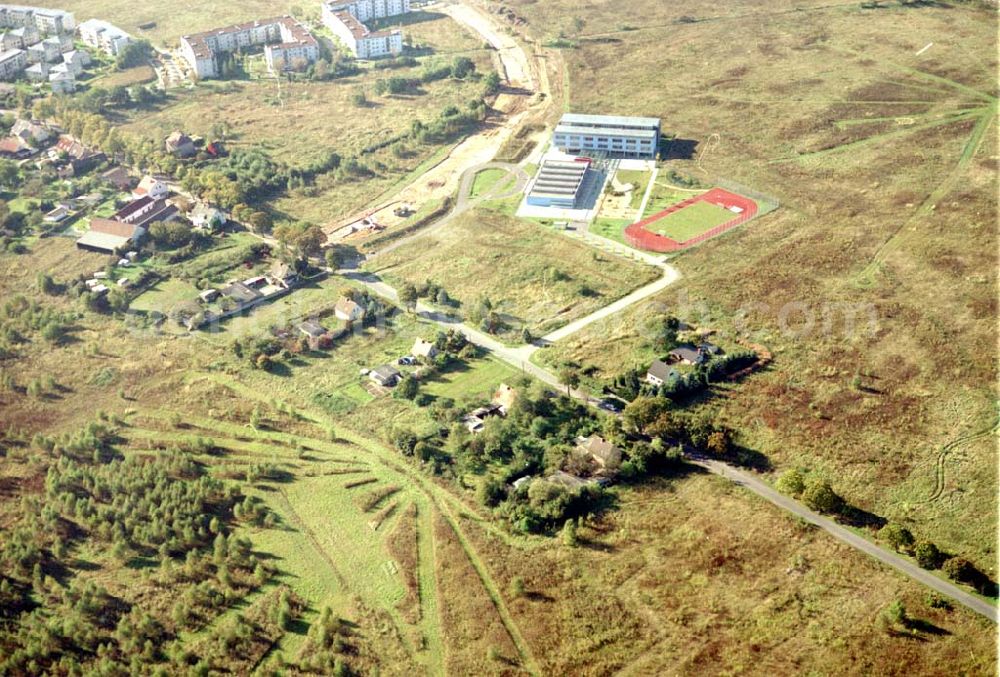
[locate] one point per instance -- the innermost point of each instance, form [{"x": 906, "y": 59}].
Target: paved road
[{"x": 845, "y": 535}]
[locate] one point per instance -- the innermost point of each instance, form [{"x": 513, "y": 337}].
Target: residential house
[
  {"x": 686, "y": 354},
  {"x": 78, "y": 158},
  {"x": 151, "y": 187},
  {"x": 119, "y": 178},
  {"x": 15, "y": 147},
  {"x": 348, "y": 311},
  {"x": 206, "y": 216},
  {"x": 422, "y": 348},
  {"x": 181, "y": 145},
  {"x": 283, "y": 275},
  {"x": 241, "y": 293},
  {"x": 108, "y": 235},
  {"x": 603, "y": 454},
  {"x": 386, "y": 376},
  {"x": 33, "y": 132},
  {"x": 313, "y": 331},
  {"x": 660, "y": 372},
  {"x": 57, "y": 215}
]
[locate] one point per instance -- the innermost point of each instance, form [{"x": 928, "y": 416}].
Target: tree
[
  {"x": 526, "y": 336},
  {"x": 820, "y": 496},
  {"x": 896, "y": 535},
  {"x": 895, "y": 615},
  {"x": 462, "y": 67},
  {"x": 408, "y": 296},
  {"x": 491, "y": 84},
  {"x": 570, "y": 378},
  {"x": 791, "y": 482},
  {"x": 135, "y": 53},
  {"x": 927, "y": 554},
  {"x": 959, "y": 569},
  {"x": 407, "y": 388},
  {"x": 643, "y": 411},
  {"x": 517, "y": 587}
]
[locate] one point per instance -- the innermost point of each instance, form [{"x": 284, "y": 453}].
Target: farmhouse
[
  {"x": 610, "y": 135},
  {"x": 422, "y": 348},
  {"x": 107, "y": 235},
  {"x": 558, "y": 183},
  {"x": 151, "y": 187},
  {"x": 146, "y": 210},
  {"x": 348, "y": 311},
  {"x": 604, "y": 455},
  {"x": 660, "y": 372},
  {"x": 347, "y": 21},
  {"x": 103, "y": 36},
  {"x": 288, "y": 45},
  {"x": 180, "y": 145},
  {"x": 118, "y": 177}
]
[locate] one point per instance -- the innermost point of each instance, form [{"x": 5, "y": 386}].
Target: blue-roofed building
[{"x": 609, "y": 135}]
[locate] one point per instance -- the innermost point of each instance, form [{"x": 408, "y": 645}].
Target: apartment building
[
  {"x": 346, "y": 21},
  {"x": 12, "y": 62},
  {"x": 103, "y": 36},
  {"x": 610, "y": 135},
  {"x": 47, "y": 21},
  {"x": 288, "y": 44}
]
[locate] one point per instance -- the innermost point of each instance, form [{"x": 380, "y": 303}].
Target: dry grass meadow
[{"x": 885, "y": 165}]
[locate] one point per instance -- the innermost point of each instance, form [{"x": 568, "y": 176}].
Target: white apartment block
[
  {"x": 365, "y": 10},
  {"x": 47, "y": 21},
  {"x": 288, "y": 44},
  {"x": 610, "y": 135},
  {"x": 103, "y": 36},
  {"x": 12, "y": 62},
  {"x": 364, "y": 43}
]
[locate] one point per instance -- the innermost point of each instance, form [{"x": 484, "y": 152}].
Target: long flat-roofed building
[
  {"x": 558, "y": 183},
  {"x": 288, "y": 45},
  {"x": 103, "y": 36},
  {"x": 12, "y": 62},
  {"x": 346, "y": 21},
  {"x": 611, "y": 135},
  {"x": 47, "y": 21}
]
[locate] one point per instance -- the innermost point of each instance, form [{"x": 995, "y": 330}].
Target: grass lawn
[
  {"x": 663, "y": 196},
  {"x": 691, "y": 221},
  {"x": 485, "y": 180},
  {"x": 613, "y": 229},
  {"x": 126, "y": 78},
  {"x": 480, "y": 379},
  {"x": 639, "y": 179}
]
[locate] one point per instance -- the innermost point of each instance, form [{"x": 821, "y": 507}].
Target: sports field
[{"x": 691, "y": 221}]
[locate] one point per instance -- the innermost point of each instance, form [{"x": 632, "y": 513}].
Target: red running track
[{"x": 638, "y": 236}]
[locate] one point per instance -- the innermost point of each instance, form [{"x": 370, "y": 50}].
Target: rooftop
[{"x": 623, "y": 121}]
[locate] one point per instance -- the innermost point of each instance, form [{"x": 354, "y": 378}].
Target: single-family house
[
  {"x": 241, "y": 293},
  {"x": 204, "y": 215},
  {"x": 152, "y": 187},
  {"x": 348, "y": 310},
  {"x": 107, "y": 235},
  {"x": 686, "y": 354},
  {"x": 80, "y": 159},
  {"x": 119, "y": 178},
  {"x": 313, "y": 331},
  {"x": 283, "y": 275},
  {"x": 15, "y": 147},
  {"x": 422, "y": 348},
  {"x": 660, "y": 372},
  {"x": 603, "y": 454},
  {"x": 386, "y": 375},
  {"x": 181, "y": 145},
  {"x": 33, "y": 132}
]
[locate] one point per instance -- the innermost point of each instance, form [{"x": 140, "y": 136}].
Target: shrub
[
  {"x": 791, "y": 482},
  {"x": 820, "y": 496},
  {"x": 898, "y": 536},
  {"x": 959, "y": 569}
]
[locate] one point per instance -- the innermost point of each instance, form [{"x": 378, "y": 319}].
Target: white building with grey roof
[{"x": 608, "y": 135}]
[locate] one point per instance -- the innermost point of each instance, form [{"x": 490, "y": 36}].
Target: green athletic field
[{"x": 691, "y": 221}]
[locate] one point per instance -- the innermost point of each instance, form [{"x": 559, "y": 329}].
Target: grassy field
[
  {"x": 613, "y": 229},
  {"x": 691, "y": 221},
  {"x": 883, "y": 161},
  {"x": 486, "y": 180},
  {"x": 533, "y": 277},
  {"x": 664, "y": 195},
  {"x": 127, "y": 78}
]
